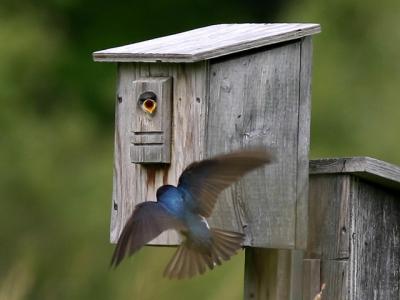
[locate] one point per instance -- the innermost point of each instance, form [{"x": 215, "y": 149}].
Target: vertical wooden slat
[
  {"x": 311, "y": 278},
  {"x": 296, "y": 273},
  {"x": 375, "y": 256},
  {"x": 303, "y": 143},
  {"x": 334, "y": 274},
  {"x": 273, "y": 274},
  {"x": 254, "y": 100},
  {"x": 329, "y": 235},
  {"x": 329, "y": 217},
  {"x": 267, "y": 274}
]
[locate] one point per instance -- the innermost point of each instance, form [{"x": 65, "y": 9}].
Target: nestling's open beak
[{"x": 149, "y": 106}]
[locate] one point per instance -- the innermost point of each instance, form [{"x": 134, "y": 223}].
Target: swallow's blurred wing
[
  {"x": 147, "y": 221},
  {"x": 201, "y": 182}
]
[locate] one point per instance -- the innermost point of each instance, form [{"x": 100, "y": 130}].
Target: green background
[{"x": 56, "y": 130}]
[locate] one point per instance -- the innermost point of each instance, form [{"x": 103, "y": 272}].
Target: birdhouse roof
[
  {"x": 207, "y": 42},
  {"x": 368, "y": 168}
]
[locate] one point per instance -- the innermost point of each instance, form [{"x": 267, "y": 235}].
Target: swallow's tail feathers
[
  {"x": 189, "y": 261},
  {"x": 225, "y": 244}
]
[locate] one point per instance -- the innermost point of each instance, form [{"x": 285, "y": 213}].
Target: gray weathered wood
[
  {"x": 375, "y": 242},
  {"x": 366, "y": 167},
  {"x": 152, "y": 138},
  {"x": 134, "y": 183},
  {"x": 354, "y": 227},
  {"x": 329, "y": 217},
  {"x": 258, "y": 97},
  {"x": 303, "y": 143},
  {"x": 151, "y": 134},
  {"x": 219, "y": 106},
  {"x": 269, "y": 274},
  {"x": 311, "y": 278},
  {"x": 254, "y": 100},
  {"x": 334, "y": 274},
  {"x": 330, "y": 231},
  {"x": 206, "y": 43}
]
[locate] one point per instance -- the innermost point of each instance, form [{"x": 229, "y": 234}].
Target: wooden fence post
[{"x": 272, "y": 274}]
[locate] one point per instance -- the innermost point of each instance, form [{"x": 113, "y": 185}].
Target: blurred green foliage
[{"x": 56, "y": 130}]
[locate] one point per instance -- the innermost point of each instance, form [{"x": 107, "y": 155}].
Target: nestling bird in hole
[
  {"x": 148, "y": 102},
  {"x": 185, "y": 208}
]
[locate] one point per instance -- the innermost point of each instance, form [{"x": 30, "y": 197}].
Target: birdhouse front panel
[
  {"x": 212, "y": 90},
  {"x": 151, "y": 120},
  {"x": 135, "y": 182}
]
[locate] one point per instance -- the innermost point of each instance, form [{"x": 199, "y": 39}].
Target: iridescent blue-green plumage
[{"x": 185, "y": 209}]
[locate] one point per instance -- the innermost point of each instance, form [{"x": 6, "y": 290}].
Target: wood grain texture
[
  {"x": 303, "y": 142},
  {"x": 372, "y": 169},
  {"x": 375, "y": 258},
  {"x": 354, "y": 229},
  {"x": 329, "y": 217},
  {"x": 334, "y": 274},
  {"x": 329, "y": 232},
  {"x": 135, "y": 183},
  {"x": 207, "y": 42},
  {"x": 219, "y": 106},
  {"x": 151, "y": 133},
  {"x": 271, "y": 274},
  {"x": 311, "y": 278},
  {"x": 254, "y": 100}
]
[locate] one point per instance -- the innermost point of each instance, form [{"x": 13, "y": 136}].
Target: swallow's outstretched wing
[
  {"x": 201, "y": 182},
  {"x": 147, "y": 221}
]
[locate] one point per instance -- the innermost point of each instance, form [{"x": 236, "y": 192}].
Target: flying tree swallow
[{"x": 185, "y": 208}]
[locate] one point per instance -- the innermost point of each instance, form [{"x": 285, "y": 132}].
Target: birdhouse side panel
[{"x": 254, "y": 100}]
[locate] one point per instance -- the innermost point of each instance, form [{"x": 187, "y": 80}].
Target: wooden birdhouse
[
  {"x": 211, "y": 90},
  {"x": 354, "y": 229}
]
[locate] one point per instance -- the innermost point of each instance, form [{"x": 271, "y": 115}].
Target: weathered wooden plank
[
  {"x": 207, "y": 42},
  {"x": 329, "y": 235},
  {"x": 329, "y": 217},
  {"x": 311, "y": 278},
  {"x": 366, "y": 167},
  {"x": 303, "y": 143},
  {"x": 150, "y": 138},
  {"x": 254, "y": 101},
  {"x": 272, "y": 274},
  {"x": 296, "y": 273},
  {"x": 375, "y": 255},
  {"x": 151, "y": 132},
  {"x": 134, "y": 183},
  {"x": 334, "y": 275}
]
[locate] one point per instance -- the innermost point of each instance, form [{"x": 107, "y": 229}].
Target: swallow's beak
[{"x": 149, "y": 106}]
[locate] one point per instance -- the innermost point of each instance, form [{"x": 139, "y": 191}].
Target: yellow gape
[{"x": 149, "y": 106}]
